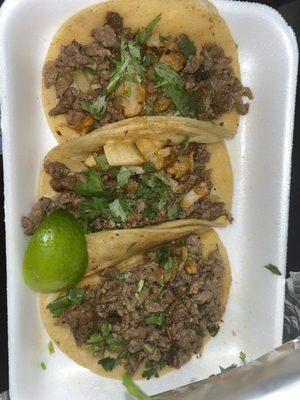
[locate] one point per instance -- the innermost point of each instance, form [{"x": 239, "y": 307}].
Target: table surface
[{"x": 291, "y": 11}]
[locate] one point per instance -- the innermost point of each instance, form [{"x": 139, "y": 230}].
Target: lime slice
[{"x": 56, "y": 256}]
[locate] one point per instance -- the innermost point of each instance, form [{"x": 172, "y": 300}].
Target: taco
[
  {"x": 120, "y": 59},
  {"x": 137, "y": 177},
  {"x": 150, "y": 313}
]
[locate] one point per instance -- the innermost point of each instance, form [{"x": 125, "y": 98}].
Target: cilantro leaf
[
  {"x": 149, "y": 167},
  {"x": 122, "y": 276},
  {"x": 213, "y": 330},
  {"x": 101, "y": 161},
  {"x": 150, "y": 372},
  {"x": 162, "y": 177},
  {"x": 108, "y": 363},
  {"x": 174, "y": 211},
  {"x": 232, "y": 366},
  {"x": 156, "y": 319},
  {"x": 105, "y": 329},
  {"x": 173, "y": 88},
  {"x": 164, "y": 257},
  {"x": 51, "y": 347},
  {"x": 60, "y": 305},
  {"x": 273, "y": 269},
  {"x": 97, "y": 107},
  {"x": 91, "y": 209},
  {"x": 92, "y": 186},
  {"x": 242, "y": 356},
  {"x": 133, "y": 389},
  {"x": 123, "y": 177},
  {"x": 89, "y": 70},
  {"x": 43, "y": 365},
  {"x": 140, "y": 286},
  {"x": 142, "y": 36},
  {"x": 186, "y": 46},
  {"x": 120, "y": 208}
]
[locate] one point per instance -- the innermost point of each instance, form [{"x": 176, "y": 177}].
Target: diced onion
[
  {"x": 181, "y": 166},
  {"x": 90, "y": 161},
  {"x": 133, "y": 97},
  {"x": 175, "y": 60},
  {"x": 193, "y": 195},
  {"x": 122, "y": 153},
  {"x": 150, "y": 150},
  {"x": 154, "y": 40},
  {"x": 82, "y": 81}
]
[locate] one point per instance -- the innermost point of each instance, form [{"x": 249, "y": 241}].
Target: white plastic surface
[{"x": 260, "y": 155}]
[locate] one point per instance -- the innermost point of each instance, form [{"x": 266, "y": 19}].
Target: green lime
[{"x": 56, "y": 256}]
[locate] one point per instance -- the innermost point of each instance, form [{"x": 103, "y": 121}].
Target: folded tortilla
[
  {"x": 200, "y": 20},
  {"x": 74, "y": 153},
  {"x": 108, "y": 242}
]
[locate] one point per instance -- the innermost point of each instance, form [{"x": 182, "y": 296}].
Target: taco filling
[
  {"x": 154, "y": 315},
  {"x": 120, "y": 73},
  {"x": 168, "y": 182}
]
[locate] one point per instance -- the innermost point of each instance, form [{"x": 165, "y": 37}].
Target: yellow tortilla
[
  {"x": 74, "y": 154},
  {"x": 146, "y": 238},
  {"x": 200, "y": 20}
]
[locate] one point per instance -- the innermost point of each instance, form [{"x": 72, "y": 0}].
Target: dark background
[{"x": 291, "y": 12}]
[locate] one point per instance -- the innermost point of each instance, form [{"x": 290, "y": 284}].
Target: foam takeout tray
[{"x": 261, "y": 161}]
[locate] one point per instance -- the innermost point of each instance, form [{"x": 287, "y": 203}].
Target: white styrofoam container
[{"x": 261, "y": 160}]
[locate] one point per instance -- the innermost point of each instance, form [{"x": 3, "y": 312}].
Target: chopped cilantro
[
  {"x": 97, "y": 107},
  {"x": 140, "y": 286},
  {"x": 162, "y": 177},
  {"x": 242, "y": 356},
  {"x": 148, "y": 348},
  {"x": 164, "y": 257},
  {"x": 101, "y": 161},
  {"x": 89, "y": 70},
  {"x": 51, "y": 347},
  {"x": 118, "y": 210},
  {"x": 143, "y": 36},
  {"x": 122, "y": 276},
  {"x": 174, "y": 211},
  {"x": 105, "y": 329},
  {"x": 156, "y": 319},
  {"x": 186, "y": 46},
  {"x": 273, "y": 269},
  {"x": 123, "y": 177},
  {"x": 149, "y": 167},
  {"x": 213, "y": 330},
  {"x": 173, "y": 87},
  {"x": 108, "y": 363},
  {"x": 133, "y": 389},
  {"x": 93, "y": 185},
  {"x": 60, "y": 305},
  {"x": 43, "y": 365},
  {"x": 232, "y": 366},
  {"x": 149, "y": 372}
]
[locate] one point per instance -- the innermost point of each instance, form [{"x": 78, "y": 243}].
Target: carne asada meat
[{"x": 156, "y": 314}]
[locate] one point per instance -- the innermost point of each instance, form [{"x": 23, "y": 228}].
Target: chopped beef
[
  {"x": 39, "y": 211},
  {"x": 217, "y": 86},
  {"x": 105, "y": 35},
  {"x": 164, "y": 327},
  {"x": 72, "y": 56},
  {"x": 145, "y": 209},
  {"x": 115, "y": 21},
  {"x": 62, "y": 177},
  {"x": 63, "y": 82},
  {"x": 192, "y": 65},
  {"x": 50, "y": 73},
  {"x": 208, "y": 75},
  {"x": 96, "y": 49}
]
